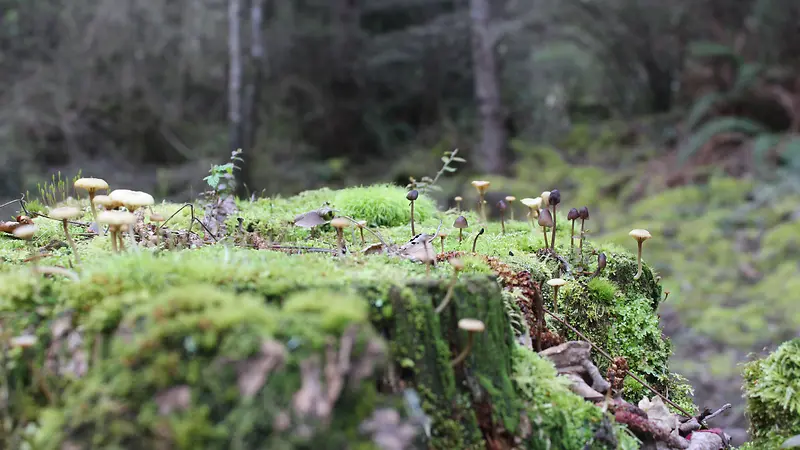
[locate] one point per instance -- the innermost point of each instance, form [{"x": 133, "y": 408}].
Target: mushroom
[
  {"x": 501, "y": 205},
  {"x": 510, "y": 199},
  {"x": 458, "y": 200},
  {"x": 132, "y": 201},
  {"x": 91, "y": 185},
  {"x": 601, "y": 264},
  {"x": 442, "y": 236},
  {"x": 554, "y": 199},
  {"x": 475, "y": 241},
  {"x": 545, "y": 221},
  {"x": 26, "y": 233},
  {"x": 361, "y": 224},
  {"x": 640, "y": 236},
  {"x": 458, "y": 266},
  {"x": 64, "y": 214},
  {"x": 482, "y": 186},
  {"x": 545, "y": 199},
  {"x": 533, "y": 205},
  {"x": 412, "y": 196},
  {"x": 584, "y": 215},
  {"x": 460, "y": 223},
  {"x": 340, "y": 223},
  {"x": 471, "y": 326},
  {"x": 572, "y": 215},
  {"x": 157, "y": 219},
  {"x": 556, "y": 283},
  {"x": 116, "y": 221},
  {"x": 105, "y": 201}
]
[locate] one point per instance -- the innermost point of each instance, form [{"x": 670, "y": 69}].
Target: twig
[
  {"x": 610, "y": 359},
  {"x": 294, "y": 247},
  {"x": 724, "y": 408},
  {"x": 57, "y": 271}
]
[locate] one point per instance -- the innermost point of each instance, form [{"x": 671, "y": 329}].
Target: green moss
[
  {"x": 382, "y": 205},
  {"x": 336, "y": 309},
  {"x": 772, "y": 391}
]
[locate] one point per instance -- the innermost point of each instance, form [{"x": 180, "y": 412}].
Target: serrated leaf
[{"x": 714, "y": 127}]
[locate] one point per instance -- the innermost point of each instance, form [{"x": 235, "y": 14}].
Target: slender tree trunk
[
  {"x": 487, "y": 90},
  {"x": 235, "y": 75},
  {"x": 251, "y": 120}
]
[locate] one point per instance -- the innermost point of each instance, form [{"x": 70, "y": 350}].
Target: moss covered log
[{"x": 241, "y": 344}]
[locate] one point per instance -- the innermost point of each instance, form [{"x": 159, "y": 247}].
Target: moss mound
[
  {"x": 772, "y": 391},
  {"x": 232, "y": 347}
]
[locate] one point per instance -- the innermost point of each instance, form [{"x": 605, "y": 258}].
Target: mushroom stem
[
  {"x": 544, "y": 231},
  {"x": 449, "y": 295},
  {"x": 340, "y": 240},
  {"x": 113, "y": 234},
  {"x": 91, "y": 204},
  {"x": 463, "y": 355},
  {"x": 460, "y": 235},
  {"x": 121, "y": 240},
  {"x": 639, "y": 261},
  {"x": 458, "y": 205},
  {"x": 71, "y": 242},
  {"x": 361, "y": 230},
  {"x": 553, "y": 235},
  {"x": 442, "y": 238},
  {"x": 503, "y": 222},
  {"x": 555, "y": 299},
  {"x": 413, "y": 232},
  {"x": 475, "y": 241},
  {"x": 580, "y": 248},
  {"x": 572, "y": 238},
  {"x": 480, "y": 207}
]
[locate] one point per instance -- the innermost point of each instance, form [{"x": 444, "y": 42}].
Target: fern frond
[{"x": 715, "y": 127}]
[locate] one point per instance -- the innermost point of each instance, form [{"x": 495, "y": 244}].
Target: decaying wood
[{"x": 573, "y": 359}]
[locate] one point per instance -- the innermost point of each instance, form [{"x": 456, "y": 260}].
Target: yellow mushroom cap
[
  {"x": 340, "y": 222},
  {"x": 156, "y": 217},
  {"x": 640, "y": 235},
  {"x": 556, "y": 282},
  {"x": 471, "y": 325},
  {"x": 90, "y": 184},
  {"x": 65, "y": 213},
  {"x": 545, "y": 198},
  {"x": 116, "y": 218},
  {"x": 481, "y": 185},
  {"x": 532, "y": 202},
  {"x": 104, "y": 200},
  {"x": 510, "y": 198},
  {"x": 25, "y": 231},
  {"x": 458, "y": 198},
  {"x": 131, "y": 199},
  {"x": 361, "y": 223},
  {"x": 443, "y": 234}
]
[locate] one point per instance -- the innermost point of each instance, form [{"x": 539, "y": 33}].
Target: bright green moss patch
[{"x": 382, "y": 205}]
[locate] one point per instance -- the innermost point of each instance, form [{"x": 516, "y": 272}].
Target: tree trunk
[
  {"x": 253, "y": 95},
  {"x": 235, "y": 75},
  {"x": 491, "y": 153}
]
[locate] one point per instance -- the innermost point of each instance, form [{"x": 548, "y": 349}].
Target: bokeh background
[{"x": 682, "y": 117}]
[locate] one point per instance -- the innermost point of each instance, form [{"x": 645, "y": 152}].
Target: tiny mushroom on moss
[
  {"x": 460, "y": 223},
  {"x": 556, "y": 283},
  {"x": 640, "y": 236},
  {"x": 481, "y": 186},
  {"x": 361, "y": 224},
  {"x": 545, "y": 221},
  {"x": 502, "y": 206},
  {"x": 105, "y": 201},
  {"x": 116, "y": 221},
  {"x": 458, "y": 200},
  {"x": 471, "y": 326},
  {"x": 443, "y": 236},
  {"x": 25, "y": 232},
  {"x": 157, "y": 219},
  {"x": 91, "y": 185},
  {"x": 65, "y": 214},
  {"x": 572, "y": 216},
  {"x": 533, "y": 205},
  {"x": 545, "y": 196},
  {"x": 510, "y": 199},
  {"x": 601, "y": 264},
  {"x": 554, "y": 200},
  {"x": 458, "y": 266},
  {"x": 411, "y": 197},
  {"x": 340, "y": 223},
  {"x": 583, "y": 213}
]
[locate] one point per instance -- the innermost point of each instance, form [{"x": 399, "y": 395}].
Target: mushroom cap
[
  {"x": 116, "y": 218},
  {"x": 460, "y": 222},
  {"x": 640, "y": 234},
  {"x": 132, "y": 199},
  {"x": 103, "y": 200},
  {"x": 573, "y": 214},
  {"x": 412, "y": 195},
  {"x": 532, "y": 202},
  {"x": 584, "y": 212},
  {"x": 502, "y": 205},
  {"x": 457, "y": 263},
  {"x": 65, "y": 213},
  {"x": 473, "y": 325},
  {"x": 90, "y": 184},
  {"x": 156, "y": 217},
  {"x": 443, "y": 234},
  {"x": 510, "y": 198},
  {"x": 361, "y": 223},
  {"x": 556, "y": 282},
  {"x": 601, "y": 260},
  {"x": 25, "y": 231},
  {"x": 545, "y": 198},
  {"x": 481, "y": 185},
  {"x": 545, "y": 218},
  {"x": 340, "y": 222},
  {"x": 458, "y": 198},
  {"x": 555, "y": 197}
]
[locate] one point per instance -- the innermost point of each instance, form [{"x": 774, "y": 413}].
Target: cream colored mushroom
[
  {"x": 556, "y": 283},
  {"x": 482, "y": 186},
  {"x": 65, "y": 214},
  {"x": 471, "y": 326},
  {"x": 91, "y": 185},
  {"x": 640, "y": 236},
  {"x": 116, "y": 220}
]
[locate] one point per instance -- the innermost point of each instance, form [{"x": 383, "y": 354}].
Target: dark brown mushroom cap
[
  {"x": 460, "y": 222},
  {"x": 545, "y": 218},
  {"x": 501, "y": 205},
  {"x": 412, "y": 195},
  {"x": 555, "y": 197},
  {"x": 584, "y": 212},
  {"x": 573, "y": 214},
  {"x": 601, "y": 261}
]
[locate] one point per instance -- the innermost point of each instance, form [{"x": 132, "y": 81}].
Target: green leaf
[
  {"x": 748, "y": 74},
  {"x": 701, "y": 107},
  {"x": 709, "y": 49},
  {"x": 790, "y": 152},
  {"x": 459, "y": 159},
  {"x": 762, "y": 144},
  {"x": 445, "y": 159},
  {"x": 714, "y": 127},
  {"x": 449, "y": 169}
]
